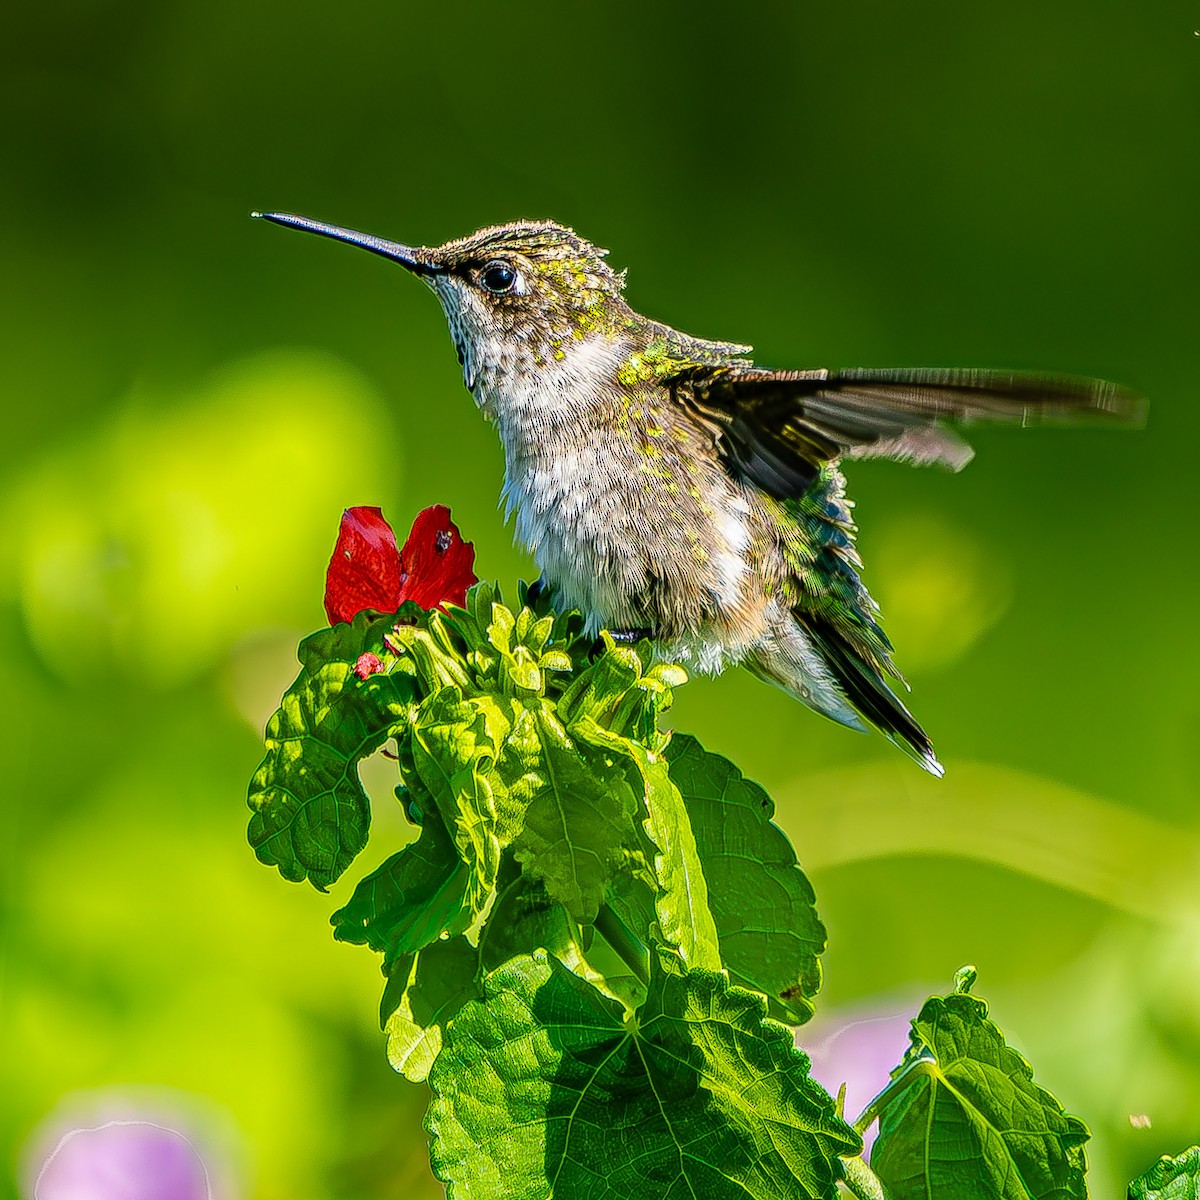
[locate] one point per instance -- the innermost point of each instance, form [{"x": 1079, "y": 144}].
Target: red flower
[
  {"x": 436, "y": 565},
  {"x": 368, "y": 572},
  {"x": 364, "y": 571}
]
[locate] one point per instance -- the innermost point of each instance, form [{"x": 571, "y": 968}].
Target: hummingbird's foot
[
  {"x": 533, "y": 593},
  {"x": 629, "y": 636}
]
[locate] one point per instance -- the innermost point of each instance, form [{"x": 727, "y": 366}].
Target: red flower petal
[
  {"x": 364, "y": 571},
  {"x": 437, "y": 566}
]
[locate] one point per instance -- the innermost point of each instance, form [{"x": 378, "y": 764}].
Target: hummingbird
[{"x": 668, "y": 487}]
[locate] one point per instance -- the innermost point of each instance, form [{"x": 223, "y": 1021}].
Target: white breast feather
[{"x": 569, "y": 491}]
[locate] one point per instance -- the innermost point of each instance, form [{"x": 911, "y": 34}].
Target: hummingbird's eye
[{"x": 498, "y": 277}]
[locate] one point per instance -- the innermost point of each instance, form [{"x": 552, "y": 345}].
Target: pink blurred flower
[
  {"x": 123, "y": 1160},
  {"x": 859, "y": 1049},
  {"x": 132, "y": 1143}
]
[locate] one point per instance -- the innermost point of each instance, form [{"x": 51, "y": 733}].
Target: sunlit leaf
[
  {"x": 676, "y": 883},
  {"x": 964, "y": 1120},
  {"x": 1170, "y": 1178},
  {"x": 454, "y": 748},
  {"x": 543, "y": 1089},
  {"x": 685, "y": 919},
  {"x": 579, "y": 821},
  {"x": 430, "y": 987},
  {"x": 762, "y": 903},
  {"x": 411, "y": 899},
  {"x": 310, "y": 813}
]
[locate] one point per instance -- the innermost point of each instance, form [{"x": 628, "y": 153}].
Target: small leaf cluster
[
  {"x": 596, "y": 946},
  {"x": 554, "y": 961}
]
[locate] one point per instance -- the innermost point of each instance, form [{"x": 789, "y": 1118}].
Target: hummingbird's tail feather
[
  {"x": 788, "y": 659},
  {"x": 867, "y": 690}
]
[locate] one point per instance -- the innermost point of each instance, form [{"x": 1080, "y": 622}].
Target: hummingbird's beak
[{"x": 415, "y": 259}]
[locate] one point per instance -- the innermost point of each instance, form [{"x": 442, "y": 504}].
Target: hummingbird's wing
[{"x": 779, "y": 427}]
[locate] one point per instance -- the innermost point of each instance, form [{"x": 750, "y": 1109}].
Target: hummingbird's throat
[{"x": 449, "y": 291}]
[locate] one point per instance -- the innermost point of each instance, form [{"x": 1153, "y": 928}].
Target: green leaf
[
  {"x": 409, "y": 901},
  {"x": 524, "y": 919},
  {"x": 310, "y": 813},
  {"x": 454, "y": 747},
  {"x": 435, "y": 661},
  {"x": 612, "y": 693},
  {"x": 1170, "y": 1178},
  {"x": 543, "y": 1089},
  {"x": 579, "y": 821},
  {"x": 684, "y": 916},
  {"x": 681, "y": 906},
  {"x": 762, "y": 903},
  {"x": 431, "y": 988},
  {"x": 518, "y": 772},
  {"x": 599, "y": 687},
  {"x": 963, "y": 1119}
]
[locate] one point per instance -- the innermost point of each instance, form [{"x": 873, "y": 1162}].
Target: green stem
[
  {"x": 861, "y": 1180},
  {"x": 898, "y": 1084},
  {"x": 628, "y": 947}
]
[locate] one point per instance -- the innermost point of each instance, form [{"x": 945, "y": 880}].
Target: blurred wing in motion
[{"x": 779, "y": 427}]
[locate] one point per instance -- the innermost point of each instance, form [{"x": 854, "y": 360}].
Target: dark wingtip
[
  {"x": 1128, "y": 408},
  {"x": 929, "y": 761}
]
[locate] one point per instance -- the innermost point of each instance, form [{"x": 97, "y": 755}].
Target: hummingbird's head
[{"x": 516, "y": 297}]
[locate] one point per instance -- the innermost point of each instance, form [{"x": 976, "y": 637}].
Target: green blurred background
[{"x": 191, "y": 398}]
